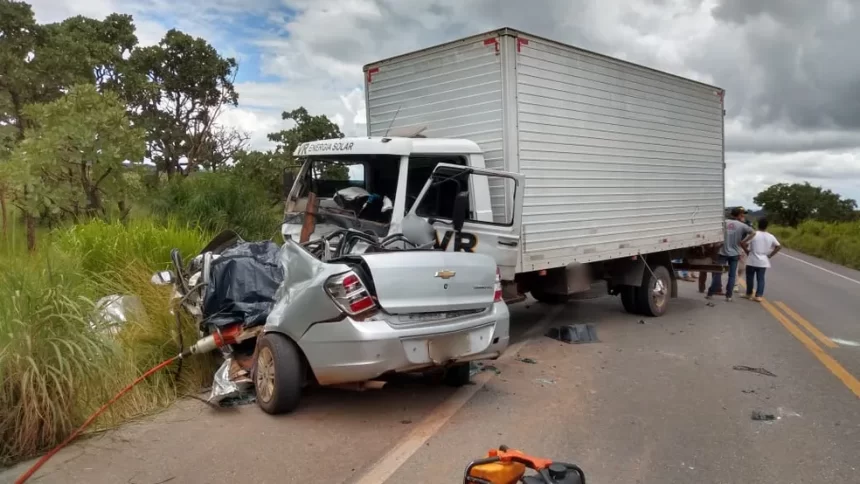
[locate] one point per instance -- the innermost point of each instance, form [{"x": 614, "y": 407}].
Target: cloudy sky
[{"x": 791, "y": 68}]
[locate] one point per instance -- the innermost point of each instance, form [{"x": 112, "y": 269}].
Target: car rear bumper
[{"x": 352, "y": 351}]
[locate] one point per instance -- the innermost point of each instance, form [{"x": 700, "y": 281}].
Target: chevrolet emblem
[{"x": 445, "y": 274}]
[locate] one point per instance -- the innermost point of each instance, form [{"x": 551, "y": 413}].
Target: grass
[
  {"x": 834, "y": 242},
  {"x": 218, "y": 201},
  {"x": 55, "y": 367}
]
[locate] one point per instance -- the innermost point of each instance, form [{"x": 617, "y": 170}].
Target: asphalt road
[{"x": 657, "y": 402}]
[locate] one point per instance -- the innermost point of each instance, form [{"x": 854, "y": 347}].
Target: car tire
[
  {"x": 652, "y": 297},
  {"x": 278, "y": 374},
  {"x": 458, "y": 375},
  {"x": 547, "y": 298},
  {"x": 629, "y": 299}
]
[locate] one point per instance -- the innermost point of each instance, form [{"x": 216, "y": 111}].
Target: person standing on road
[
  {"x": 742, "y": 260},
  {"x": 762, "y": 249},
  {"x": 738, "y": 234}
]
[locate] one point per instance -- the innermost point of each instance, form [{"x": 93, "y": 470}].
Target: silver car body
[{"x": 434, "y": 308}]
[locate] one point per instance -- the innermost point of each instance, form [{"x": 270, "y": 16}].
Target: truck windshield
[{"x": 375, "y": 173}]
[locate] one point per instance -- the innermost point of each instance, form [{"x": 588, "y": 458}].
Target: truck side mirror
[{"x": 461, "y": 210}]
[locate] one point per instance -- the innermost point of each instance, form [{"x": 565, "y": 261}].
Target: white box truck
[{"x": 571, "y": 167}]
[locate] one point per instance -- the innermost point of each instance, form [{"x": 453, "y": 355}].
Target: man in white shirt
[{"x": 762, "y": 248}]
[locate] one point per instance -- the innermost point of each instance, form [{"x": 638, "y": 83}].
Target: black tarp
[{"x": 242, "y": 285}]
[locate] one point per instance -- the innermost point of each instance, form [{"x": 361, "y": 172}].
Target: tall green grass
[
  {"x": 218, "y": 201},
  {"x": 55, "y": 369},
  {"x": 834, "y": 242}
]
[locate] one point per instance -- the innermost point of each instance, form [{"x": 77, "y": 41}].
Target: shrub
[
  {"x": 110, "y": 246},
  {"x": 55, "y": 369},
  {"x": 835, "y": 242},
  {"x": 218, "y": 201}
]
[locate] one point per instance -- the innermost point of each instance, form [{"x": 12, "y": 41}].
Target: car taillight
[
  {"x": 497, "y": 297},
  {"x": 350, "y": 294}
]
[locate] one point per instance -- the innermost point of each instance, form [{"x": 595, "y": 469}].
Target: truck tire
[
  {"x": 278, "y": 374},
  {"x": 629, "y": 299},
  {"x": 547, "y": 298},
  {"x": 652, "y": 297}
]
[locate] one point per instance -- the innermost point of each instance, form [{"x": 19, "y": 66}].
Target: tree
[
  {"x": 222, "y": 147},
  {"x": 185, "y": 87},
  {"x": 270, "y": 165},
  {"x": 19, "y": 35},
  {"x": 265, "y": 167},
  {"x": 72, "y": 159},
  {"x": 39, "y": 63},
  {"x": 794, "y": 203},
  {"x": 85, "y": 50},
  {"x": 308, "y": 128}
]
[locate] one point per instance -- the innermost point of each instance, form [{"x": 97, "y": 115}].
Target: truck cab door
[{"x": 486, "y": 229}]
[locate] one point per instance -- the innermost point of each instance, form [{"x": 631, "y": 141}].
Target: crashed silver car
[{"x": 345, "y": 308}]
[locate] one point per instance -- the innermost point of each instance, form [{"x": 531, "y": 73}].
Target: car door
[{"x": 490, "y": 230}]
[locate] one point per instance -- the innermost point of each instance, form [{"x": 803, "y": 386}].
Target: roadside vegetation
[
  {"x": 112, "y": 154},
  {"x": 834, "y": 242},
  {"x": 814, "y": 221}
]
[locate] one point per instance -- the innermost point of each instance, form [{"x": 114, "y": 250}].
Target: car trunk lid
[{"x": 432, "y": 281}]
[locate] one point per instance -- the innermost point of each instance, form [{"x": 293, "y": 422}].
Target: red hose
[{"x": 90, "y": 420}]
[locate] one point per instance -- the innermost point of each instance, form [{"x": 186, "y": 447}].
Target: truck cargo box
[{"x": 619, "y": 159}]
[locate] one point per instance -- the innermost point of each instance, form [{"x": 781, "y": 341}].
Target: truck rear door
[{"x": 499, "y": 239}]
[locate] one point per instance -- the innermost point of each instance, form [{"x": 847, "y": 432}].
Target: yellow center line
[
  {"x": 831, "y": 364},
  {"x": 806, "y": 324}
]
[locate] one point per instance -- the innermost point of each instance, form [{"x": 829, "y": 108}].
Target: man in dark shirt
[{"x": 738, "y": 235}]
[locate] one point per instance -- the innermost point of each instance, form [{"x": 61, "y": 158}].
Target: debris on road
[
  {"x": 747, "y": 391},
  {"x": 574, "y": 333},
  {"x": 710, "y": 304},
  {"x": 760, "y": 371},
  {"x": 641, "y": 321},
  {"x": 527, "y": 360},
  {"x": 761, "y": 416},
  {"x": 477, "y": 367},
  {"x": 544, "y": 381},
  {"x": 231, "y": 382}
]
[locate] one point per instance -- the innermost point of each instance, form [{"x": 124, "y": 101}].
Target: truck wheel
[
  {"x": 628, "y": 299},
  {"x": 652, "y": 297},
  {"x": 547, "y": 298},
  {"x": 458, "y": 375},
  {"x": 278, "y": 374}
]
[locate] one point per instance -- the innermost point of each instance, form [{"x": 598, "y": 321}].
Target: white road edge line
[
  {"x": 844, "y": 342},
  {"x": 385, "y": 467},
  {"x": 855, "y": 281}
]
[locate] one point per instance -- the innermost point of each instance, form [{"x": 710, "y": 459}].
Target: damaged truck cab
[{"x": 371, "y": 184}]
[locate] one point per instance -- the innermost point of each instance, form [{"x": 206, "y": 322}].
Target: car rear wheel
[
  {"x": 458, "y": 375},
  {"x": 278, "y": 374}
]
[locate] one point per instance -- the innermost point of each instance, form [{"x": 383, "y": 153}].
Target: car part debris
[
  {"x": 231, "y": 381},
  {"x": 527, "y": 360},
  {"x": 112, "y": 312},
  {"x": 761, "y": 416},
  {"x": 478, "y": 367},
  {"x": 574, "y": 333},
  {"x": 760, "y": 371},
  {"x": 545, "y": 381}
]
